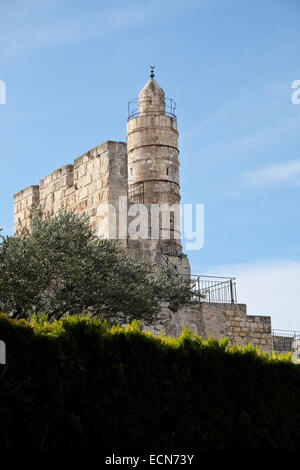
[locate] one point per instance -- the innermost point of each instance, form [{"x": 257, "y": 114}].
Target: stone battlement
[{"x": 97, "y": 177}]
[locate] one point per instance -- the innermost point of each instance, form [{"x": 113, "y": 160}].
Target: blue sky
[{"x": 70, "y": 67}]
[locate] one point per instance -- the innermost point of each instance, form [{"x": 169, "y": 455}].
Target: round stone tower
[
  {"x": 152, "y": 139},
  {"x": 153, "y": 164}
]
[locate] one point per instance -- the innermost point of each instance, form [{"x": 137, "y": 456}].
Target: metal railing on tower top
[{"x": 133, "y": 108}]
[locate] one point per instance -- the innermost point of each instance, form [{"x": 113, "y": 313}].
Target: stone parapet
[
  {"x": 97, "y": 177},
  {"x": 24, "y": 202},
  {"x": 218, "y": 320}
]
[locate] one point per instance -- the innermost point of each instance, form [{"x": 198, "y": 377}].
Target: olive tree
[{"x": 61, "y": 267}]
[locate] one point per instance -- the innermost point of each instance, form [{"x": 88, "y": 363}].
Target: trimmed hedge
[{"x": 78, "y": 384}]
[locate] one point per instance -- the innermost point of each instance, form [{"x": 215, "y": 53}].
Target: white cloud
[
  {"x": 260, "y": 139},
  {"x": 256, "y": 101},
  {"x": 268, "y": 288},
  {"x": 277, "y": 173},
  {"x": 250, "y": 122},
  {"x": 37, "y": 23},
  {"x": 30, "y": 26}
]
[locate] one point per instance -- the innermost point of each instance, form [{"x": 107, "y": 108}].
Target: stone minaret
[{"x": 153, "y": 164}]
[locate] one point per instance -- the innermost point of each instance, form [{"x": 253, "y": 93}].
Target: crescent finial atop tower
[{"x": 152, "y": 67}]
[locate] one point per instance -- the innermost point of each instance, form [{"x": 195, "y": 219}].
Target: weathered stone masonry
[
  {"x": 220, "y": 320},
  {"x": 98, "y": 176},
  {"x": 146, "y": 171}
]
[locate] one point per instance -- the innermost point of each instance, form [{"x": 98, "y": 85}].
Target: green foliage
[
  {"x": 175, "y": 292},
  {"x": 61, "y": 266},
  {"x": 78, "y": 383}
]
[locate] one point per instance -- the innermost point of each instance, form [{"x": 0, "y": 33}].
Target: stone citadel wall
[
  {"x": 147, "y": 173},
  {"x": 100, "y": 176},
  {"x": 219, "y": 320},
  {"x": 97, "y": 177}
]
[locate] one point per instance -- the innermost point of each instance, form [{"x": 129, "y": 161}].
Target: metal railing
[
  {"x": 285, "y": 341},
  {"x": 133, "y": 108},
  {"x": 218, "y": 289},
  {"x": 214, "y": 288},
  {"x": 136, "y": 192}
]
